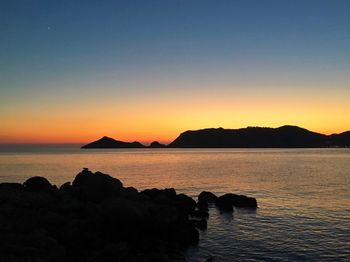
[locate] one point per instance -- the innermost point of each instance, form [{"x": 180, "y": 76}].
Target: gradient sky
[{"x": 72, "y": 71}]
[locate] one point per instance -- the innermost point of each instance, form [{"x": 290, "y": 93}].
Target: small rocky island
[{"x": 96, "y": 218}]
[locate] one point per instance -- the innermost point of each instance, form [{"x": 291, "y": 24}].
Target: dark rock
[
  {"x": 185, "y": 202},
  {"x": 37, "y": 246},
  {"x": 66, "y": 189},
  {"x": 125, "y": 219},
  {"x": 226, "y": 201},
  {"x": 114, "y": 252},
  {"x": 207, "y": 197},
  {"x": 170, "y": 192},
  {"x": 66, "y": 186},
  {"x": 202, "y": 206},
  {"x": 52, "y": 221},
  {"x": 225, "y": 207},
  {"x": 130, "y": 192},
  {"x": 155, "y": 252},
  {"x": 156, "y": 144},
  {"x": 154, "y": 192},
  {"x": 96, "y": 187},
  {"x": 165, "y": 220},
  {"x": 200, "y": 214},
  {"x": 201, "y": 224},
  {"x": 11, "y": 187},
  {"x": 164, "y": 196},
  {"x": 186, "y": 235},
  {"x": 38, "y": 184}
]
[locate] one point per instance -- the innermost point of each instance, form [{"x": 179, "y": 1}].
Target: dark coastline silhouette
[
  {"x": 107, "y": 142},
  {"x": 250, "y": 137},
  {"x": 156, "y": 144},
  {"x": 96, "y": 218}
]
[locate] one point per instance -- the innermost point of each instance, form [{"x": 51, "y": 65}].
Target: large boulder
[
  {"x": 125, "y": 219},
  {"x": 207, "y": 197},
  {"x": 204, "y": 198},
  {"x": 96, "y": 186},
  {"x": 155, "y": 192},
  {"x": 9, "y": 188},
  {"x": 38, "y": 184},
  {"x": 114, "y": 252},
  {"x": 66, "y": 189},
  {"x": 162, "y": 196},
  {"x": 130, "y": 193},
  {"x": 164, "y": 220},
  {"x": 186, "y": 234},
  {"x": 227, "y": 201},
  {"x": 185, "y": 203}
]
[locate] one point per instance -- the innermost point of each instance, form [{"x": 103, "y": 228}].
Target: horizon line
[{"x": 149, "y": 141}]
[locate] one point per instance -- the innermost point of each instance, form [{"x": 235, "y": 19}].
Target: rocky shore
[{"x": 95, "y": 218}]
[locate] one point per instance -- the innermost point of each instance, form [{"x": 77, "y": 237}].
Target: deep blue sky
[{"x": 104, "y": 51}]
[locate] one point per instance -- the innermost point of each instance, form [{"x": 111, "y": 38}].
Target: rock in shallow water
[
  {"x": 207, "y": 197},
  {"x": 227, "y": 201}
]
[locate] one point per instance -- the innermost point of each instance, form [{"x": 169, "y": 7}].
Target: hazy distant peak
[{"x": 108, "y": 142}]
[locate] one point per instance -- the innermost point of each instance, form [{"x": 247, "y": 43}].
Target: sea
[{"x": 303, "y": 194}]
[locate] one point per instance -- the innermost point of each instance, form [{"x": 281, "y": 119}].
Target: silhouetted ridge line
[
  {"x": 107, "y": 142},
  {"x": 257, "y": 137},
  {"x": 251, "y": 137},
  {"x": 156, "y": 144}
]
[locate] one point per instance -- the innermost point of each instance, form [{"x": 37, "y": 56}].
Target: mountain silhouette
[
  {"x": 156, "y": 144},
  {"x": 107, "y": 142},
  {"x": 251, "y": 137},
  {"x": 260, "y": 137},
  {"x": 342, "y": 139}
]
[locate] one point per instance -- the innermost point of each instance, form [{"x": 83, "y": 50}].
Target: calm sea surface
[{"x": 303, "y": 194}]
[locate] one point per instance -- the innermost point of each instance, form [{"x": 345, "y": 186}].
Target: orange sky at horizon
[
  {"x": 143, "y": 137},
  {"x": 57, "y": 117},
  {"x": 164, "y": 121}
]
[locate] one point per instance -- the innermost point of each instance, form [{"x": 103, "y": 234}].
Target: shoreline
[{"x": 95, "y": 217}]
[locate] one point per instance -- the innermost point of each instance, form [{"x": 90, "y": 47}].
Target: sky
[{"x": 75, "y": 70}]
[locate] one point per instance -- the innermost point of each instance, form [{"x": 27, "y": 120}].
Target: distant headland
[
  {"x": 251, "y": 137},
  {"x": 107, "y": 142}
]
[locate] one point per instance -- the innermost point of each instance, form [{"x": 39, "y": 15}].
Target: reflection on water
[{"x": 303, "y": 194}]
